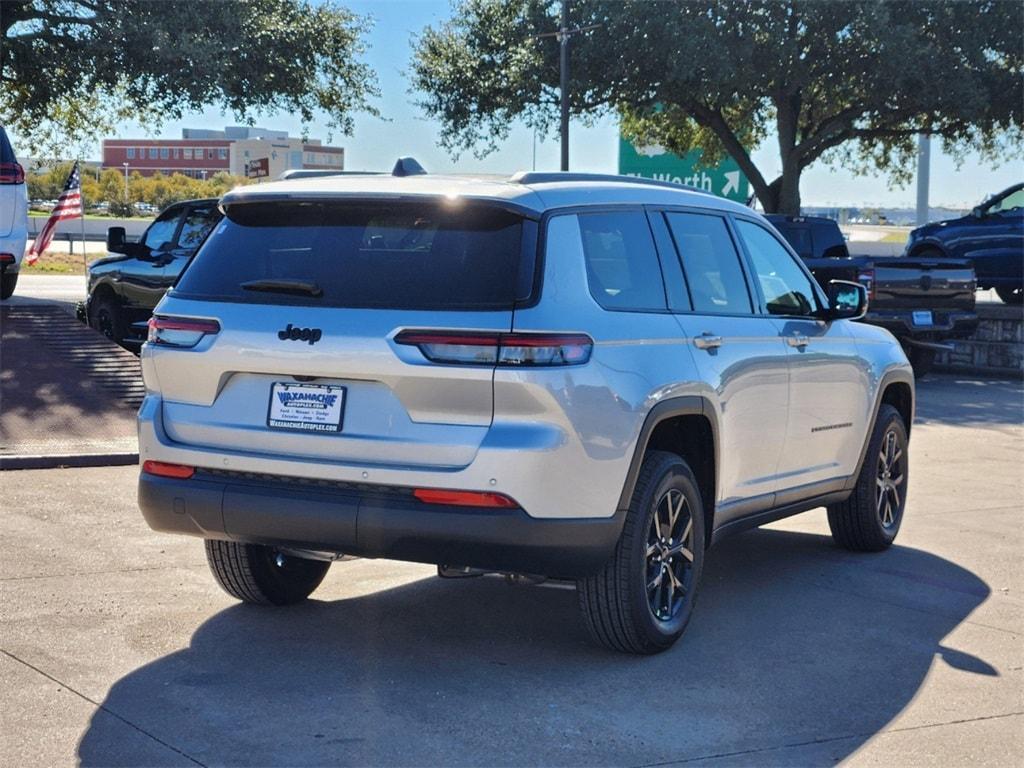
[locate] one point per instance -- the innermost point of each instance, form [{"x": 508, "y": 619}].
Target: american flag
[{"x": 69, "y": 206}]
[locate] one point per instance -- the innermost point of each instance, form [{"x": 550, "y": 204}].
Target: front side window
[
  {"x": 1012, "y": 201},
  {"x": 787, "y": 289},
  {"x": 161, "y": 232},
  {"x": 622, "y": 263},
  {"x": 711, "y": 264}
]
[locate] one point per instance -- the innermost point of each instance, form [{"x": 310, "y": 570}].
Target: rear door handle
[
  {"x": 797, "y": 341},
  {"x": 707, "y": 340}
]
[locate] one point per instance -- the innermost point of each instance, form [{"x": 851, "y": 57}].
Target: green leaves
[
  {"x": 852, "y": 82},
  {"x": 70, "y": 68}
]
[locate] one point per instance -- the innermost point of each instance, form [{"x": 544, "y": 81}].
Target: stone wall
[{"x": 997, "y": 347}]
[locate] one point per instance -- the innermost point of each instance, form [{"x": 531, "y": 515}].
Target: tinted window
[
  {"x": 161, "y": 231},
  {"x": 711, "y": 264},
  {"x": 799, "y": 237},
  {"x": 787, "y": 290},
  {"x": 197, "y": 225},
  {"x": 6, "y": 152},
  {"x": 829, "y": 240},
  {"x": 396, "y": 255},
  {"x": 622, "y": 264}
]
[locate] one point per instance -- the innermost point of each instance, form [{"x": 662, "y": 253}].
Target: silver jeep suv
[{"x": 580, "y": 377}]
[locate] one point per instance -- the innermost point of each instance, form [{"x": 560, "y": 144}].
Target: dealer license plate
[
  {"x": 306, "y": 407},
  {"x": 922, "y": 318}
]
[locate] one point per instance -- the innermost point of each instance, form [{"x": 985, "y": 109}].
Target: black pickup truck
[{"x": 922, "y": 301}]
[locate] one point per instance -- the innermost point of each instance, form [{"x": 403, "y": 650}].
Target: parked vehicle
[
  {"x": 991, "y": 236},
  {"x": 13, "y": 216},
  {"x": 124, "y": 286},
  {"x": 924, "y": 301},
  {"x": 565, "y": 375}
]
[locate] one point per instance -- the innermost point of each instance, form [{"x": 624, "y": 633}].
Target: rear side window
[
  {"x": 197, "y": 225},
  {"x": 363, "y": 254},
  {"x": 711, "y": 263},
  {"x": 622, "y": 263},
  {"x": 6, "y": 151}
]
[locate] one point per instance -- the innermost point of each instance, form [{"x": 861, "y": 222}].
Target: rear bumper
[
  {"x": 373, "y": 521},
  {"x": 947, "y": 325}
]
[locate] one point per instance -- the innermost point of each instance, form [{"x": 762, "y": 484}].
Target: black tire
[
  {"x": 262, "y": 575},
  {"x": 870, "y": 518},
  {"x": 105, "y": 316},
  {"x": 921, "y": 360},
  {"x": 1013, "y": 296},
  {"x": 7, "y": 284},
  {"x": 619, "y": 609}
]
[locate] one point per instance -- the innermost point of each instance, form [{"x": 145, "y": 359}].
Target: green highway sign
[{"x": 724, "y": 180}]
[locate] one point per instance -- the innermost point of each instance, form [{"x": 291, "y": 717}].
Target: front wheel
[
  {"x": 263, "y": 575},
  {"x": 870, "y": 518},
  {"x": 1010, "y": 295},
  {"x": 643, "y": 598},
  {"x": 8, "y": 281}
]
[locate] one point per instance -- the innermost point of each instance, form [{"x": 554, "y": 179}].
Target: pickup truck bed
[{"x": 923, "y": 302}]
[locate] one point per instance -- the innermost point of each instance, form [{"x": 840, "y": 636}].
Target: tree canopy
[
  {"x": 850, "y": 82},
  {"x": 69, "y": 69}
]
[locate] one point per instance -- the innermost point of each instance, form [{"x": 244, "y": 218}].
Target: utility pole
[
  {"x": 563, "y": 82},
  {"x": 924, "y": 143}
]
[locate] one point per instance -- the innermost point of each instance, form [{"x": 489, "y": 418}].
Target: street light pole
[
  {"x": 563, "y": 82},
  {"x": 125, "y": 183}
]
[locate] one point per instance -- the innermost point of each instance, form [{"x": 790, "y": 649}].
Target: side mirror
[
  {"x": 846, "y": 300},
  {"x": 978, "y": 212},
  {"x": 116, "y": 240}
]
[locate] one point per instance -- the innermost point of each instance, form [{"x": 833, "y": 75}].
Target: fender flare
[
  {"x": 685, "y": 405},
  {"x": 891, "y": 376}
]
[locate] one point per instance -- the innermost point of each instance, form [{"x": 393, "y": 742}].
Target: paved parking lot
[{"x": 117, "y": 648}]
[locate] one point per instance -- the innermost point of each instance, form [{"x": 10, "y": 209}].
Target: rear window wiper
[{"x": 302, "y": 287}]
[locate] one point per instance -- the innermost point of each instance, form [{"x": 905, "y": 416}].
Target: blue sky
[{"x": 376, "y": 143}]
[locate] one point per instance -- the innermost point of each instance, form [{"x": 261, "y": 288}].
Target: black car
[
  {"x": 126, "y": 285},
  {"x": 991, "y": 236}
]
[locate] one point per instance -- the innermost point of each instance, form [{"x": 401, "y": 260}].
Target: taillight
[
  {"x": 7, "y": 258},
  {"x": 505, "y": 349},
  {"x": 164, "y": 469},
  {"x": 866, "y": 277},
  {"x": 182, "y": 332},
  {"x": 11, "y": 173},
  {"x": 463, "y": 498}
]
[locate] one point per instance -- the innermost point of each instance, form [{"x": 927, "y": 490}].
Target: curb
[{"x": 69, "y": 460}]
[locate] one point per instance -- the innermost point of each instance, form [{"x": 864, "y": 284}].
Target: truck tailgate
[{"x": 909, "y": 283}]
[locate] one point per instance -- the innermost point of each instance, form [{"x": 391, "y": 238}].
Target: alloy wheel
[
  {"x": 669, "y": 556},
  {"x": 889, "y": 481}
]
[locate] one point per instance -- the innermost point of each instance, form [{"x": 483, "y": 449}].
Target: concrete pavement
[{"x": 118, "y": 649}]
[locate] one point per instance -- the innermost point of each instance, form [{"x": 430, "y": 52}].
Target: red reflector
[
  {"x": 463, "y": 498},
  {"x": 163, "y": 469},
  {"x": 6, "y": 258},
  {"x": 184, "y": 324}
]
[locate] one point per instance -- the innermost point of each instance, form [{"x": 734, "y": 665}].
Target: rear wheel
[
  {"x": 921, "y": 360},
  {"x": 643, "y": 598},
  {"x": 1010, "y": 295},
  {"x": 7, "y": 283},
  {"x": 870, "y": 518},
  {"x": 263, "y": 575}
]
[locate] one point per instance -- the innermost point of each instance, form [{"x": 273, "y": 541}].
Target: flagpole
[{"x": 85, "y": 259}]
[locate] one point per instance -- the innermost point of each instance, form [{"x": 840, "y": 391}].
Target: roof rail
[
  {"x": 552, "y": 177},
  {"x": 312, "y": 173},
  {"x": 407, "y": 166}
]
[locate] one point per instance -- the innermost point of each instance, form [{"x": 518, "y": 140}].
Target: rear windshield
[{"x": 382, "y": 254}]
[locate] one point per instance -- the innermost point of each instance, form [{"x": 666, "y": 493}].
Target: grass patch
[
  {"x": 895, "y": 237},
  {"x": 58, "y": 263}
]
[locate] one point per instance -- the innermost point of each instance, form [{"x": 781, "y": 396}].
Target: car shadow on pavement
[{"x": 793, "y": 642}]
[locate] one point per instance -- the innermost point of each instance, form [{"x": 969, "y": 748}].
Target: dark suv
[
  {"x": 126, "y": 284},
  {"x": 991, "y": 236}
]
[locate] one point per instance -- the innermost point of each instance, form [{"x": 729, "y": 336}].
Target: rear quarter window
[
  {"x": 430, "y": 255},
  {"x": 622, "y": 264}
]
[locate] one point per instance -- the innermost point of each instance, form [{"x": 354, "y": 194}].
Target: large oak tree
[
  {"x": 69, "y": 69},
  {"x": 850, "y": 82}
]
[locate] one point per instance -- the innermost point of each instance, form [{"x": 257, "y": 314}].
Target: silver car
[{"x": 581, "y": 377}]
